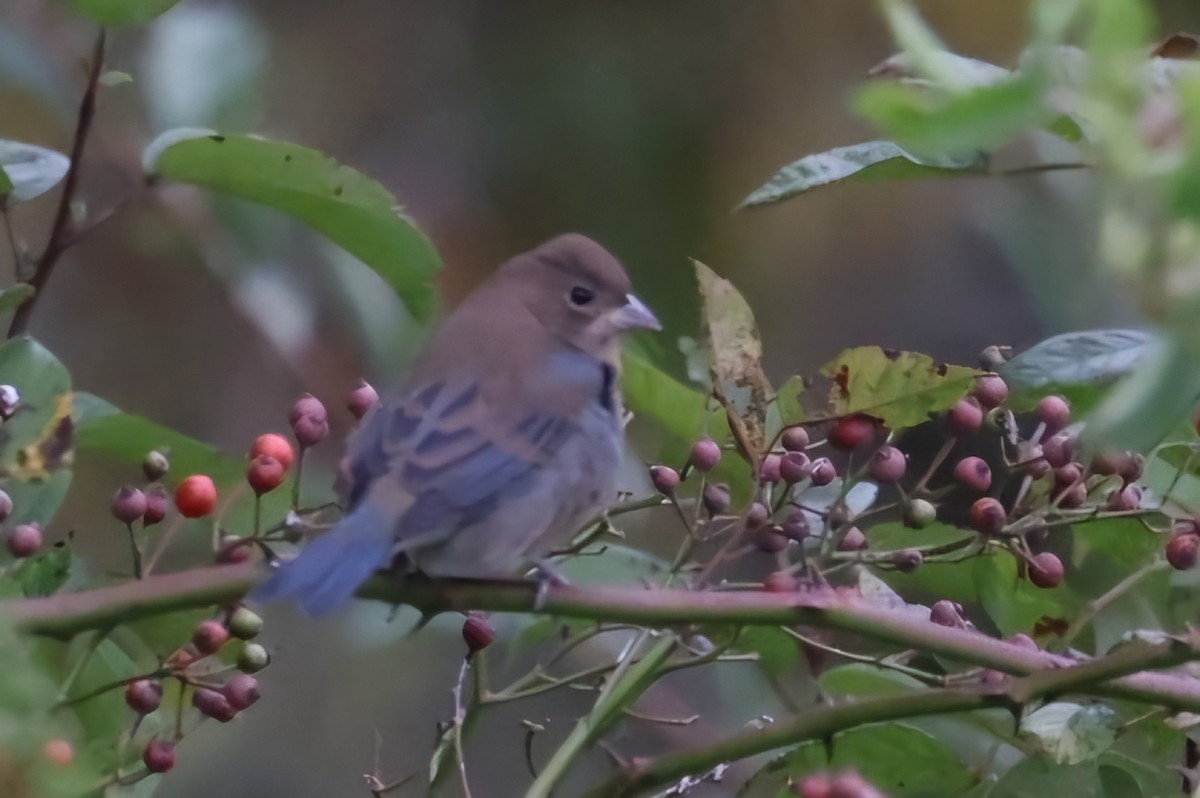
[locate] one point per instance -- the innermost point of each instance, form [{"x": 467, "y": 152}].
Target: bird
[{"x": 504, "y": 437}]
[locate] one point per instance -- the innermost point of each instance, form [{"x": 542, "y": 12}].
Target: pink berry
[
  {"x": 987, "y": 516},
  {"x": 794, "y": 467},
  {"x": 768, "y": 469},
  {"x": 143, "y": 696},
  {"x": 214, "y": 704},
  {"x": 907, "y": 560},
  {"x": 974, "y": 474},
  {"x": 128, "y": 504},
  {"x": 24, "y": 540},
  {"x": 991, "y": 390},
  {"x": 478, "y": 632},
  {"x": 965, "y": 417},
  {"x": 794, "y": 439},
  {"x": 1046, "y": 570},
  {"x": 362, "y": 400},
  {"x": 1054, "y": 412},
  {"x": 1058, "y": 450},
  {"x": 822, "y": 472},
  {"x": 6, "y": 506},
  {"x": 210, "y": 637},
  {"x": 888, "y": 464},
  {"x": 159, "y": 756},
  {"x": 946, "y": 613},
  {"x": 309, "y": 420},
  {"x": 853, "y": 540},
  {"x": 1126, "y": 499},
  {"x": 705, "y": 455},
  {"x": 241, "y": 691},
  {"x": 1183, "y": 550},
  {"x": 665, "y": 479},
  {"x": 780, "y": 582},
  {"x": 157, "y": 505}
]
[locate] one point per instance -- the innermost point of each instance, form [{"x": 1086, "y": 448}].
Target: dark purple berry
[
  {"x": 794, "y": 439},
  {"x": 213, "y": 704},
  {"x": 796, "y": 526},
  {"x": 822, "y": 472},
  {"x": 665, "y": 479},
  {"x": 158, "y": 502},
  {"x": 770, "y": 539},
  {"x": 143, "y": 696},
  {"x": 715, "y": 498},
  {"x": 478, "y": 632},
  {"x": 1183, "y": 550},
  {"x": 947, "y": 613},
  {"x": 159, "y": 756},
  {"x": 987, "y": 516},
  {"x": 907, "y": 560}
]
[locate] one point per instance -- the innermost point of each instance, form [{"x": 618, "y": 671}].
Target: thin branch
[{"x": 61, "y": 234}]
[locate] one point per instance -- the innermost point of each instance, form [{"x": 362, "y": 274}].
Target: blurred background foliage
[{"x": 498, "y": 125}]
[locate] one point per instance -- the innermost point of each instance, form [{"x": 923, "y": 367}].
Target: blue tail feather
[{"x": 332, "y": 566}]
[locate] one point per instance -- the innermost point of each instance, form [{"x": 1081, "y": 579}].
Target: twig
[{"x": 60, "y": 232}]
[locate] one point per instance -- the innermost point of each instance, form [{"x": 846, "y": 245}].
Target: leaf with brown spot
[{"x": 735, "y": 352}]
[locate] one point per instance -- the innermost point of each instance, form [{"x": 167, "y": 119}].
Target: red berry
[
  {"x": 770, "y": 540},
  {"x": 310, "y": 422},
  {"x": 1125, "y": 499},
  {"x": 24, "y": 540},
  {"x": 155, "y": 465},
  {"x": 1058, "y": 449},
  {"x": 973, "y": 473},
  {"x": 209, "y": 637},
  {"x": 128, "y": 504},
  {"x": 851, "y": 432},
  {"x": 196, "y": 496},
  {"x": 157, "y": 504},
  {"x": 888, "y": 464},
  {"x": 1183, "y": 550},
  {"x": 780, "y": 582},
  {"x": 987, "y": 516},
  {"x": 143, "y": 696},
  {"x": 794, "y": 439},
  {"x": 990, "y": 390},
  {"x": 715, "y": 498},
  {"x": 362, "y": 399},
  {"x": 665, "y": 479},
  {"x": 265, "y": 474},
  {"x": 768, "y": 469},
  {"x": 478, "y": 632},
  {"x": 965, "y": 417},
  {"x": 794, "y": 467},
  {"x": 705, "y": 455},
  {"x": 822, "y": 472},
  {"x": 213, "y": 704},
  {"x": 1054, "y": 412},
  {"x": 273, "y": 445},
  {"x": 241, "y": 691},
  {"x": 853, "y": 540},
  {"x": 159, "y": 756},
  {"x": 1046, "y": 570}
]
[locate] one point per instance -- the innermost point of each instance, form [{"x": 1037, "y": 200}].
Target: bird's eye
[{"x": 581, "y": 296}]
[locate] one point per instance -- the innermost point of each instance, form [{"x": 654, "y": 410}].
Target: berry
[
  {"x": 705, "y": 455},
  {"x": 362, "y": 399},
  {"x": 888, "y": 464},
  {"x": 816, "y": 785},
  {"x": 965, "y": 417},
  {"x": 757, "y": 515},
  {"x": 665, "y": 479},
  {"x": 209, "y": 637},
  {"x": 794, "y": 439},
  {"x": 794, "y": 467},
  {"x": 991, "y": 390},
  {"x": 253, "y": 658},
  {"x": 245, "y": 623},
  {"x": 1183, "y": 550},
  {"x": 273, "y": 445},
  {"x": 1058, "y": 449},
  {"x": 768, "y": 469},
  {"x": 822, "y": 472},
  {"x": 478, "y": 632},
  {"x": 234, "y": 549},
  {"x": 1072, "y": 496},
  {"x": 59, "y": 751},
  {"x": 1054, "y": 412},
  {"x": 10, "y": 402},
  {"x": 310, "y": 422},
  {"x": 157, "y": 504},
  {"x": 155, "y": 465},
  {"x": 213, "y": 704},
  {"x": 998, "y": 421},
  {"x": 919, "y": 514},
  {"x": 715, "y": 498},
  {"x": 770, "y": 540},
  {"x": 1022, "y": 640},
  {"x": 1126, "y": 499},
  {"x": 6, "y": 506},
  {"x": 159, "y": 756},
  {"x": 907, "y": 560},
  {"x": 849, "y": 784},
  {"x": 24, "y": 540},
  {"x": 853, "y": 540},
  {"x": 974, "y": 474},
  {"x": 1046, "y": 570},
  {"x": 947, "y": 613},
  {"x": 1131, "y": 467},
  {"x": 143, "y": 696},
  {"x": 196, "y": 496},
  {"x": 1067, "y": 475},
  {"x": 1105, "y": 463},
  {"x": 851, "y": 432},
  {"x": 780, "y": 582},
  {"x": 795, "y": 526},
  {"x": 128, "y": 504},
  {"x": 241, "y": 691},
  {"x": 987, "y": 516},
  {"x": 265, "y": 474}
]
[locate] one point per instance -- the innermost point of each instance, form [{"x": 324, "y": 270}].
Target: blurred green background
[{"x": 499, "y": 125}]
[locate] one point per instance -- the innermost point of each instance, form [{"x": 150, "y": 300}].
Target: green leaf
[
  {"x": 1037, "y": 776},
  {"x": 15, "y": 295},
  {"x": 29, "y": 171},
  {"x": 674, "y": 407},
  {"x": 1091, "y": 357},
  {"x": 902, "y": 389},
  {"x": 866, "y": 162},
  {"x": 352, "y": 210},
  {"x": 1071, "y": 733},
  {"x": 114, "y": 77},
  {"x": 859, "y": 679},
  {"x": 122, "y": 12},
  {"x": 901, "y": 761},
  {"x": 895, "y": 535},
  {"x": 735, "y": 352},
  {"x": 778, "y": 652},
  {"x": 45, "y": 573},
  {"x": 1014, "y": 604}
]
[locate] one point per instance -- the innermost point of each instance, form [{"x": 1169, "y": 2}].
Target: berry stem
[
  {"x": 295, "y": 481},
  {"x": 135, "y": 551}
]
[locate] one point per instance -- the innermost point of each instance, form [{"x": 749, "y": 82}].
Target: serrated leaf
[
  {"x": 122, "y": 12},
  {"x": 29, "y": 171},
  {"x": 1072, "y": 733},
  {"x": 866, "y": 162},
  {"x": 902, "y": 389},
  {"x": 735, "y": 354},
  {"x": 352, "y": 210}
]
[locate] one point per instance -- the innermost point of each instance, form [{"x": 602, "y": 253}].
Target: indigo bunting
[{"x": 504, "y": 438}]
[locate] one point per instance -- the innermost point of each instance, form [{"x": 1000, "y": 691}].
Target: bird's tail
[{"x": 332, "y": 566}]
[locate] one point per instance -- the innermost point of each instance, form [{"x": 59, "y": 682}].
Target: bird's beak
[{"x": 634, "y": 315}]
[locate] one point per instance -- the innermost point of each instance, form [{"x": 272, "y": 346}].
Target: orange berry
[
  {"x": 272, "y": 445},
  {"x": 196, "y": 496}
]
